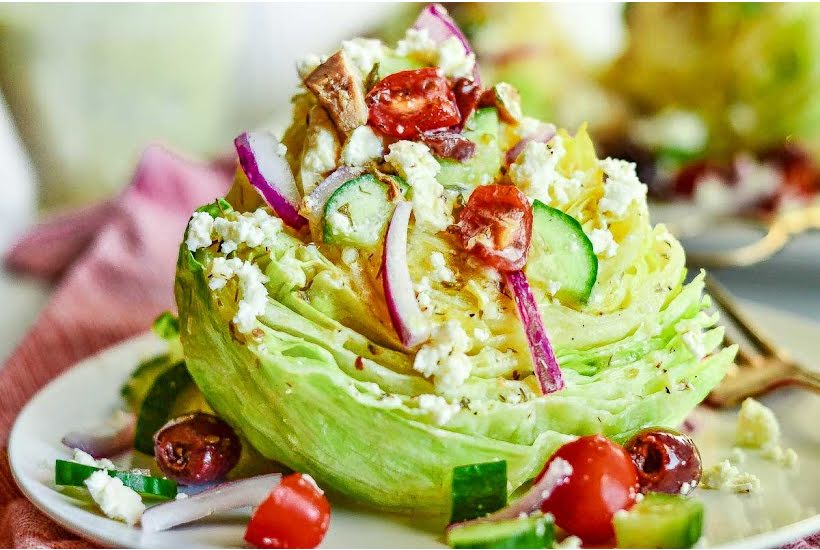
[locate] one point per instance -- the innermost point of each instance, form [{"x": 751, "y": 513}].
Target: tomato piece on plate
[
  {"x": 467, "y": 94},
  {"x": 496, "y": 226},
  {"x": 604, "y": 481},
  {"x": 407, "y": 103},
  {"x": 295, "y": 515}
]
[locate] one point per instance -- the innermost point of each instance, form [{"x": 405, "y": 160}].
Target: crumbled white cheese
[
  {"x": 786, "y": 458},
  {"x": 181, "y": 496},
  {"x": 441, "y": 411},
  {"x": 309, "y": 63},
  {"x": 444, "y": 356},
  {"x": 569, "y": 542},
  {"x": 251, "y": 284},
  {"x": 362, "y": 146},
  {"x": 453, "y": 59},
  {"x": 737, "y": 456},
  {"x": 364, "y": 53},
  {"x": 553, "y": 287},
  {"x": 440, "y": 271},
  {"x": 338, "y": 223},
  {"x": 757, "y": 426},
  {"x": 450, "y": 55},
  {"x": 82, "y": 457},
  {"x": 416, "y": 164},
  {"x": 281, "y": 149},
  {"x": 621, "y": 188},
  {"x": 603, "y": 243},
  {"x": 199, "y": 231},
  {"x": 528, "y": 126},
  {"x": 319, "y": 158},
  {"x": 424, "y": 294},
  {"x": 252, "y": 229},
  {"x": 115, "y": 499},
  {"x": 481, "y": 335},
  {"x": 535, "y": 172},
  {"x": 725, "y": 477},
  {"x": 350, "y": 255},
  {"x": 685, "y": 488},
  {"x": 671, "y": 129}
]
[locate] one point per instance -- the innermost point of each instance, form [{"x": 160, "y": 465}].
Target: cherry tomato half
[
  {"x": 295, "y": 515},
  {"x": 603, "y": 481},
  {"x": 496, "y": 225},
  {"x": 407, "y": 103}
]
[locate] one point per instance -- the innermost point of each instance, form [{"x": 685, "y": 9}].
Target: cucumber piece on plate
[
  {"x": 74, "y": 474},
  {"x": 134, "y": 390},
  {"x": 482, "y": 129},
  {"x": 478, "y": 490},
  {"x": 391, "y": 64},
  {"x": 356, "y": 214},
  {"x": 660, "y": 521},
  {"x": 530, "y": 532},
  {"x": 561, "y": 254},
  {"x": 156, "y": 407}
]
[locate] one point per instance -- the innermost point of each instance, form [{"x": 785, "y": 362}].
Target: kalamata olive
[
  {"x": 667, "y": 461},
  {"x": 196, "y": 448}
]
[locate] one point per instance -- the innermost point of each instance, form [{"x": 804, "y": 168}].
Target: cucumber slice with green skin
[
  {"x": 156, "y": 407},
  {"x": 660, "y": 521},
  {"x": 139, "y": 383},
  {"x": 73, "y": 474},
  {"x": 356, "y": 214},
  {"x": 391, "y": 64},
  {"x": 560, "y": 252},
  {"x": 478, "y": 490},
  {"x": 482, "y": 129},
  {"x": 530, "y": 532}
]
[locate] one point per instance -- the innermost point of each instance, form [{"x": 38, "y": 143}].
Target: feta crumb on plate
[
  {"x": 726, "y": 477},
  {"x": 438, "y": 407},
  {"x": 115, "y": 499},
  {"x": 757, "y": 426}
]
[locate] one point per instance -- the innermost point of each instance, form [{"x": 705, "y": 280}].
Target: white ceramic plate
[{"x": 785, "y": 509}]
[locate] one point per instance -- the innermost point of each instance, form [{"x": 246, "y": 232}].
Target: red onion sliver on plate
[
  {"x": 222, "y": 498},
  {"x": 102, "y": 444},
  {"x": 542, "y": 134},
  {"x": 556, "y": 475},
  {"x": 405, "y": 314},
  {"x": 545, "y": 365},
  {"x": 440, "y": 26},
  {"x": 270, "y": 174}
]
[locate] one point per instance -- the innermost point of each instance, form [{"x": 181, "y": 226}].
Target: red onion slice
[
  {"x": 270, "y": 174},
  {"x": 556, "y": 475},
  {"x": 542, "y": 134},
  {"x": 314, "y": 204},
  {"x": 104, "y": 444},
  {"x": 405, "y": 314},
  {"x": 545, "y": 365},
  {"x": 440, "y": 26},
  {"x": 222, "y": 498}
]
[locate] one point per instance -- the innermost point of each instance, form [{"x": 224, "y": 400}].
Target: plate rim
[{"x": 775, "y": 537}]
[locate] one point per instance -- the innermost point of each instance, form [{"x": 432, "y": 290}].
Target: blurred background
[{"x": 717, "y": 103}]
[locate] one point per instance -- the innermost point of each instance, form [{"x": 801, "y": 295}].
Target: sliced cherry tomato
[
  {"x": 467, "y": 94},
  {"x": 604, "y": 480},
  {"x": 496, "y": 225},
  {"x": 295, "y": 515},
  {"x": 407, "y": 103}
]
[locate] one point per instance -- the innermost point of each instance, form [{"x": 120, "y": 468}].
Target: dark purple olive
[
  {"x": 196, "y": 448},
  {"x": 667, "y": 461}
]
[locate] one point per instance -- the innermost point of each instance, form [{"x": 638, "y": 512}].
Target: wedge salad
[{"x": 423, "y": 300}]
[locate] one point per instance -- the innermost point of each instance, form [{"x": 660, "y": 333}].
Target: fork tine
[{"x": 741, "y": 321}]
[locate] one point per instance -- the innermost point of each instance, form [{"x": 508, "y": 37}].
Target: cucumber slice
[
  {"x": 660, "y": 521},
  {"x": 139, "y": 383},
  {"x": 156, "y": 407},
  {"x": 561, "y": 253},
  {"x": 73, "y": 474},
  {"x": 391, "y": 64},
  {"x": 478, "y": 490},
  {"x": 530, "y": 532},
  {"x": 482, "y": 129},
  {"x": 356, "y": 214}
]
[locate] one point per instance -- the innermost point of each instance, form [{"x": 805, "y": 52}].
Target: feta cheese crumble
[
  {"x": 319, "y": 158},
  {"x": 364, "y": 53},
  {"x": 440, "y": 272},
  {"x": 416, "y": 164},
  {"x": 450, "y": 55},
  {"x": 757, "y": 426},
  {"x": 444, "y": 356},
  {"x": 441, "y": 411},
  {"x": 82, "y": 457},
  {"x": 621, "y": 188},
  {"x": 309, "y": 63},
  {"x": 251, "y": 284},
  {"x": 362, "y": 146},
  {"x": 115, "y": 499},
  {"x": 535, "y": 172},
  {"x": 199, "y": 231},
  {"x": 603, "y": 243},
  {"x": 726, "y": 477},
  {"x": 786, "y": 458}
]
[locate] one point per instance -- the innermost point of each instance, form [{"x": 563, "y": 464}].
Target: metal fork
[{"x": 759, "y": 370}]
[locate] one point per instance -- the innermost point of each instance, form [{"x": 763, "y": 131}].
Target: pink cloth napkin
[{"x": 117, "y": 264}]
